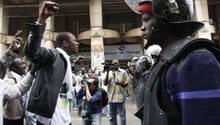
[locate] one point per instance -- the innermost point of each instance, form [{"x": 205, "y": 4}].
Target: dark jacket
[
  {"x": 93, "y": 106},
  {"x": 44, "y": 93}
]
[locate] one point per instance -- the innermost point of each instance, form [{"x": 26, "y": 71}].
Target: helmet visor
[{"x": 133, "y": 5}]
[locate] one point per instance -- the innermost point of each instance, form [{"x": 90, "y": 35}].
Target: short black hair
[{"x": 63, "y": 36}]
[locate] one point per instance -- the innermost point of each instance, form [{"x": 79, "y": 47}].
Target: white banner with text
[{"x": 121, "y": 52}]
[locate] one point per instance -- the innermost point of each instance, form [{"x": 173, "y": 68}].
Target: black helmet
[
  {"x": 171, "y": 10},
  {"x": 174, "y": 16},
  {"x": 168, "y": 10}
]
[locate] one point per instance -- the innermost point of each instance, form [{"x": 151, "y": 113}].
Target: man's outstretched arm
[
  {"x": 20, "y": 88},
  {"x": 33, "y": 49}
]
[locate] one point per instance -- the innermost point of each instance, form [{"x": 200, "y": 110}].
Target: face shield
[{"x": 133, "y": 5}]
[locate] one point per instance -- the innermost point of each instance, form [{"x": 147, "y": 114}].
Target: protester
[
  {"x": 82, "y": 74},
  {"x": 181, "y": 90},
  {"x": 13, "y": 69},
  {"x": 105, "y": 110},
  {"x": 76, "y": 60},
  {"x": 53, "y": 84},
  {"x": 132, "y": 72},
  {"x": 93, "y": 98},
  {"x": 116, "y": 79},
  {"x": 143, "y": 66},
  {"x": 12, "y": 91},
  {"x": 10, "y": 54},
  {"x": 76, "y": 80},
  {"x": 16, "y": 69},
  {"x": 14, "y": 108}
]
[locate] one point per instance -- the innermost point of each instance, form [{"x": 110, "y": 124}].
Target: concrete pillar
[
  {"x": 3, "y": 28},
  {"x": 97, "y": 33},
  {"x": 48, "y": 35},
  {"x": 95, "y": 12},
  {"x": 201, "y": 14}
]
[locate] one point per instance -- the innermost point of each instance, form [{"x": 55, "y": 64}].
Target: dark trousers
[{"x": 13, "y": 122}]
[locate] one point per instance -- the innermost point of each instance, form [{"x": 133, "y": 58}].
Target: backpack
[
  {"x": 104, "y": 100},
  {"x": 155, "y": 92}
]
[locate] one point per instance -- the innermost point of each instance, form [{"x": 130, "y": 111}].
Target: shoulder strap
[
  {"x": 175, "y": 51},
  {"x": 184, "y": 46}
]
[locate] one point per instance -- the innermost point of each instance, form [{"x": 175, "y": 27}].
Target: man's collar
[{"x": 63, "y": 52}]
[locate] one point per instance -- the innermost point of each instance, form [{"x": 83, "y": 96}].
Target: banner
[
  {"x": 123, "y": 52},
  {"x": 97, "y": 52}
]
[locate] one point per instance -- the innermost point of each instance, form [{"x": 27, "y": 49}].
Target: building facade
[{"x": 106, "y": 29}]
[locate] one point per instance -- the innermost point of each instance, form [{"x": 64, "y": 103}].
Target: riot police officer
[{"x": 183, "y": 86}]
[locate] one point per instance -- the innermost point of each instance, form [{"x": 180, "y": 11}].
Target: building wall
[{"x": 76, "y": 23}]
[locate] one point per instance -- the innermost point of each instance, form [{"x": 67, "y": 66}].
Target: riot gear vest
[{"x": 158, "y": 108}]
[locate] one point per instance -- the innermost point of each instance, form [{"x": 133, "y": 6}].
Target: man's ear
[{"x": 65, "y": 43}]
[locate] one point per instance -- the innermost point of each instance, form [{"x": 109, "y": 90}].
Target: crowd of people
[
  {"x": 171, "y": 83},
  {"x": 47, "y": 94}
]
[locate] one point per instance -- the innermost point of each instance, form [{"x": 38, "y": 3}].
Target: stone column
[
  {"x": 48, "y": 36},
  {"x": 97, "y": 33},
  {"x": 3, "y": 28},
  {"x": 201, "y": 14}
]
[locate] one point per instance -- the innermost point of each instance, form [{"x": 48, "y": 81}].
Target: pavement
[{"x": 130, "y": 110}]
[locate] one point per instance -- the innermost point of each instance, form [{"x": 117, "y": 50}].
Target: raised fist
[
  {"x": 16, "y": 43},
  {"x": 48, "y": 9}
]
